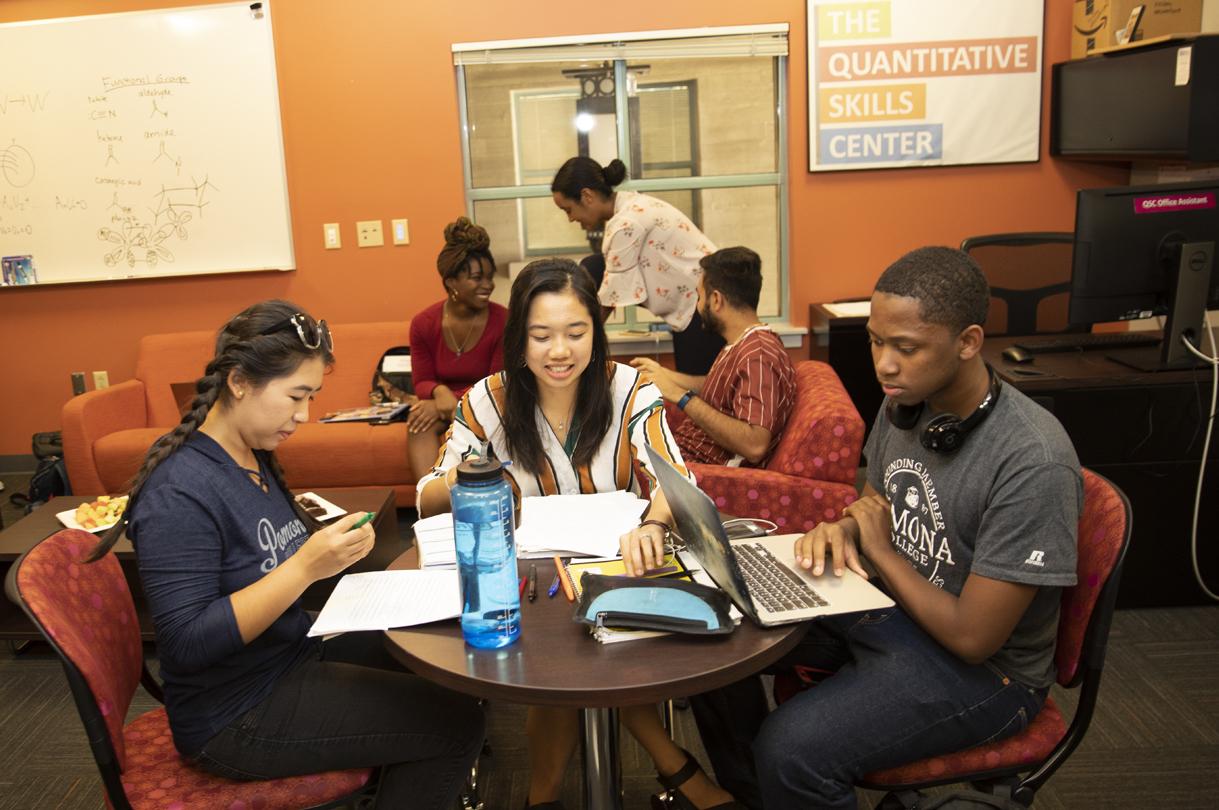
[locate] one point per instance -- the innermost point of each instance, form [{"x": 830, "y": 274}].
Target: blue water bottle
[{"x": 486, "y": 554}]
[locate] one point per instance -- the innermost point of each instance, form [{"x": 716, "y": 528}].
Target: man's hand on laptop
[
  {"x": 836, "y": 539},
  {"x": 874, "y": 519}
]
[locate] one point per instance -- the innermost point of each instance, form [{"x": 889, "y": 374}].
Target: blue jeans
[
  {"x": 891, "y": 695},
  {"x": 329, "y": 713}
]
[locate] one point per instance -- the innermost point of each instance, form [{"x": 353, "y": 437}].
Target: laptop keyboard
[{"x": 772, "y": 584}]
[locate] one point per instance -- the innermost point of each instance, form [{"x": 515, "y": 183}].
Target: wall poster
[{"x": 903, "y": 83}]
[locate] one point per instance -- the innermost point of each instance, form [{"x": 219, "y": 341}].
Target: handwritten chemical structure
[
  {"x": 145, "y": 242},
  {"x": 177, "y": 161},
  {"x": 17, "y": 165}
]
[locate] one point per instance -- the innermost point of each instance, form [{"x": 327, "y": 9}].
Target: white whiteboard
[{"x": 143, "y": 144}]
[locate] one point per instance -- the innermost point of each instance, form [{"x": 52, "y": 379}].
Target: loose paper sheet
[{"x": 379, "y": 600}]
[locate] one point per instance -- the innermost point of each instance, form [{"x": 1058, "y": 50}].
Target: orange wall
[{"x": 371, "y": 131}]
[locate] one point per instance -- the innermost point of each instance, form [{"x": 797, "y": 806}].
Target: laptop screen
[{"x": 698, "y": 524}]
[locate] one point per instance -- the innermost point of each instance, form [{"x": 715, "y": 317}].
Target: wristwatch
[{"x": 685, "y": 400}]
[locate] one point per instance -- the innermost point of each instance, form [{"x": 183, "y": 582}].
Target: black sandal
[{"x": 673, "y": 799}]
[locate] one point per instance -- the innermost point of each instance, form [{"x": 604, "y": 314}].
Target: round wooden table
[{"x": 556, "y": 662}]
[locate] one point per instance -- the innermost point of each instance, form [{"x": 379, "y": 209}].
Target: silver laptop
[{"x": 760, "y": 573}]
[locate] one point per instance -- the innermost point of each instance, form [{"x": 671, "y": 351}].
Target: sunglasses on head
[{"x": 313, "y": 334}]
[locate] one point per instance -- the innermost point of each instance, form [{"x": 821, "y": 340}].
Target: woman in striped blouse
[{"x": 570, "y": 421}]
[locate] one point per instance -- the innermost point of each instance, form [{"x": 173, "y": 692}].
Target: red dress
[{"x": 434, "y": 363}]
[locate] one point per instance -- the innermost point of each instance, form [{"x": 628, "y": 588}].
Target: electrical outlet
[
  {"x": 368, "y": 233},
  {"x": 330, "y": 236},
  {"x": 78, "y": 383},
  {"x": 402, "y": 234},
  {"x": 101, "y": 379}
]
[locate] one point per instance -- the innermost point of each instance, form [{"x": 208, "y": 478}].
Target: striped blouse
[{"x": 638, "y": 422}]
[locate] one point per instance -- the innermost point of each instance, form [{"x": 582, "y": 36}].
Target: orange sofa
[{"x": 106, "y": 433}]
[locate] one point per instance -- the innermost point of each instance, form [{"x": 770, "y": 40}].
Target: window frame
[{"x": 778, "y": 179}]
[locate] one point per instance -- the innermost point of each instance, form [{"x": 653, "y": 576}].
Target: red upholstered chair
[
  {"x": 86, "y": 613},
  {"x": 1018, "y": 766},
  {"x": 810, "y": 476}
]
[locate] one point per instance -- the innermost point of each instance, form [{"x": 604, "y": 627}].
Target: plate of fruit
[{"x": 95, "y": 516}]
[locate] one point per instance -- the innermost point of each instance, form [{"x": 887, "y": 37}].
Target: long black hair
[
  {"x": 594, "y": 408},
  {"x": 261, "y": 343},
  {"x": 579, "y": 173}
]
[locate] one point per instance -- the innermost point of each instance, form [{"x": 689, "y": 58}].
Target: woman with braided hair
[
  {"x": 455, "y": 342},
  {"x": 224, "y": 554}
]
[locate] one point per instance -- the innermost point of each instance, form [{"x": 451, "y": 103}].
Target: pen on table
[
  {"x": 521, "y": 586},
  {"x": 554, "y": 587},
  {"x": 533, "y": 582},
  {"x": 564, "y": 579}
]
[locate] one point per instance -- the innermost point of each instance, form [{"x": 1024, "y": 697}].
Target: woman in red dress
[{"x": 454, "y": 342}]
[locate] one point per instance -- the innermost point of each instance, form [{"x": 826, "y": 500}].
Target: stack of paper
[
  {"x": 434, "y": 539},
  {"x": 577, "y": 525},
  {"x": 568, "y": 525},
  {"x": 379, "y": 600}
]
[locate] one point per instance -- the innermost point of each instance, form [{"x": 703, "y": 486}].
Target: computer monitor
[{"x": 1142, "y": 251}]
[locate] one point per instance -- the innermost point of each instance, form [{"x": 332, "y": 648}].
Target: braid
[{"x": 207, "y": 391}]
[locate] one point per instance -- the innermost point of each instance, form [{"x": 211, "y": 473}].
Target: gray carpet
[{"x": 1154, "y": 742}]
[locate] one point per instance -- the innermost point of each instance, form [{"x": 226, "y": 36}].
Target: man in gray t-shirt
[
  {"x": 968, "y": 519},
  {"x": 1005, "y": 506}
]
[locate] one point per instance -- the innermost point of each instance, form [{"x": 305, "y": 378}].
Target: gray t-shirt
[{"x": 1005, "y": 506}]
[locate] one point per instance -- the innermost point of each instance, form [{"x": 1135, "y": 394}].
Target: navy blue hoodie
[{"x": 202, "y": 529}]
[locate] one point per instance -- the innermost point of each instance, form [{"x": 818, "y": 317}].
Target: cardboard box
[{"x": 1097, "y": 23}]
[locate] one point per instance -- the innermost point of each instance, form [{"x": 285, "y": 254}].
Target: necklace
[
  {"x": 562, "y": 424},
  {"x": 460, "y": 347}
]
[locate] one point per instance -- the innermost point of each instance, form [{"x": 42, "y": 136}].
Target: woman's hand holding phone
[{"x": 334, "y": 548}]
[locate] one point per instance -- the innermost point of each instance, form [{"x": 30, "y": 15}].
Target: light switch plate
[
  {"x": 368, "y": 233},
  {"x": 101, "y": 380},
  {"x": 330, "y": 236},
  {"x": 402, "y": 233}
]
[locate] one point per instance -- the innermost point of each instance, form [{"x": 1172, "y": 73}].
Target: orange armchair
[
  {"x": 107, "y": 432},
  {"x": 810, "y": 476}
]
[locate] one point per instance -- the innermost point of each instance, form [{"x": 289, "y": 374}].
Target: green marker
[{"x": 367, "y": 517}]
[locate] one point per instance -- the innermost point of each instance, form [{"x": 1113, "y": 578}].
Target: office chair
[
  {"x": 86, "y": 613},
  {"x": 1030, "y": 280}
]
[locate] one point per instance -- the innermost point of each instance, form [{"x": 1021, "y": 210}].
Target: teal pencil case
[{"x": 652, "y": 604}]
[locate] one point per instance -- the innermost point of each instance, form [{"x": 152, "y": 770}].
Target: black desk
[
  {"x": 1144, "y": 432},
  {"x": 843, "y": 343}
]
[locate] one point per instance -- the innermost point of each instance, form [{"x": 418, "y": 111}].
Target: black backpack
[
  {"x": 50, "y": 478},
  {"x": 391, "y": 380}
]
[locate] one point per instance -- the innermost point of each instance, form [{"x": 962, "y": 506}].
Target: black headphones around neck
[{"x": 946, "y": 432}]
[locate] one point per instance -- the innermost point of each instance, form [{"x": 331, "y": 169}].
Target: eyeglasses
[{"x": 312, "y": 333}]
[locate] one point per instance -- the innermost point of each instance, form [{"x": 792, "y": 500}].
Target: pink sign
[{"x": 1161, "y": 203}]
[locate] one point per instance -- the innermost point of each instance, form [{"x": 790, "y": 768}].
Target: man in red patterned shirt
[{"x": 735, "y": 414}]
